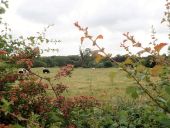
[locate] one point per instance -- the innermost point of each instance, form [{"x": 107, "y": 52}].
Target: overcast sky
[{"x": 110, "y": 18}]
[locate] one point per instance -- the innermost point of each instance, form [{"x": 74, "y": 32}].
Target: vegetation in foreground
[{"x": 25, "y": 99}]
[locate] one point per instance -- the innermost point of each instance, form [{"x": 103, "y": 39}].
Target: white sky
[{"x": 110, "y": 18}]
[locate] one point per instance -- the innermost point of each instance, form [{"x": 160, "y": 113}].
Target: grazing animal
[
  {"x": 23, "y": 74},
  {"x": 45, "y": 70},
  {"x": 22, "y": 71},
  {"x": 151, "y": 64}
]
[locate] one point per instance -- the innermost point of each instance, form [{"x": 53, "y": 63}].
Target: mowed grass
[{"x": 93, "y": 82}]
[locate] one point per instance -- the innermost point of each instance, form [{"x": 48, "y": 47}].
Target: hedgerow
[{"x": 25, "y": 99}]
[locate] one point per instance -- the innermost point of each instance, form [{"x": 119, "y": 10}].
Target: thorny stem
[{"x": 131, "y": 38}]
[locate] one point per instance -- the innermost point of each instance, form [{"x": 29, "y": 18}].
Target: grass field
[{"x": 86, "y": 81}]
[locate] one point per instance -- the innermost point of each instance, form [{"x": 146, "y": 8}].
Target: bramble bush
[{"x": 25, "y": 100}]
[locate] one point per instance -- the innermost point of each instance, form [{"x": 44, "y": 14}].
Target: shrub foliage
[{"x": 25, "y": 99}]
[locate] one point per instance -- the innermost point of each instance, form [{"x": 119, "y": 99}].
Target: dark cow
[
  {"x": 150, "y": 64},
  {"x": 45, "y": 70}
]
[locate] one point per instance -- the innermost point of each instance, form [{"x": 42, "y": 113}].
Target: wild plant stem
[{"x": 124, "y": 69}]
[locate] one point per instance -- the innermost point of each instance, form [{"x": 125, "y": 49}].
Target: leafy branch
[{"x": 157, "y": 48}]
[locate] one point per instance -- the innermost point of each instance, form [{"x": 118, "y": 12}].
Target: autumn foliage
[
  {"x": 144, "y": 77},
  {"x": 33, "y": 101}
]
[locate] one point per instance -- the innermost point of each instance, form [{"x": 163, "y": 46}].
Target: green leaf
[
  {"x": 132, "y": 91},
  {"x": 123, "y": 115},
  {"x": 165, "y": 122},
  {"x": 5, "y": 106},
  {"x": 1, "y": 45},
  {"x": 16, "y": 126},
  {"x": 167, "y": 89},
  {"x": 168, "y": 104},
  {"x": 160, "y": 99},
  {"x": 2, "y": 10},
  {"x": 40, "y": 38},
  {"x": 134, "y": 95}
]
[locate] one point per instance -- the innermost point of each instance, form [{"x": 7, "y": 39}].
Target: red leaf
[
  {"x": 3, "y": 52},
  {"x": 99, "y": 37},
  {"x": 158, "y": 47}
]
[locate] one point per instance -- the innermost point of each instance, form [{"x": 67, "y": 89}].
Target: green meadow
[{"x": 102, "y": 83}]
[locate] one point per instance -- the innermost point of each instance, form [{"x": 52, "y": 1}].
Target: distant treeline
[
  {"x": 86, "y": 62},
  {"x": 76, "y": 60}
]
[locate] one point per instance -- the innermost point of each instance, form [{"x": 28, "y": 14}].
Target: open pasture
[{"x": 93, "y": 82}]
